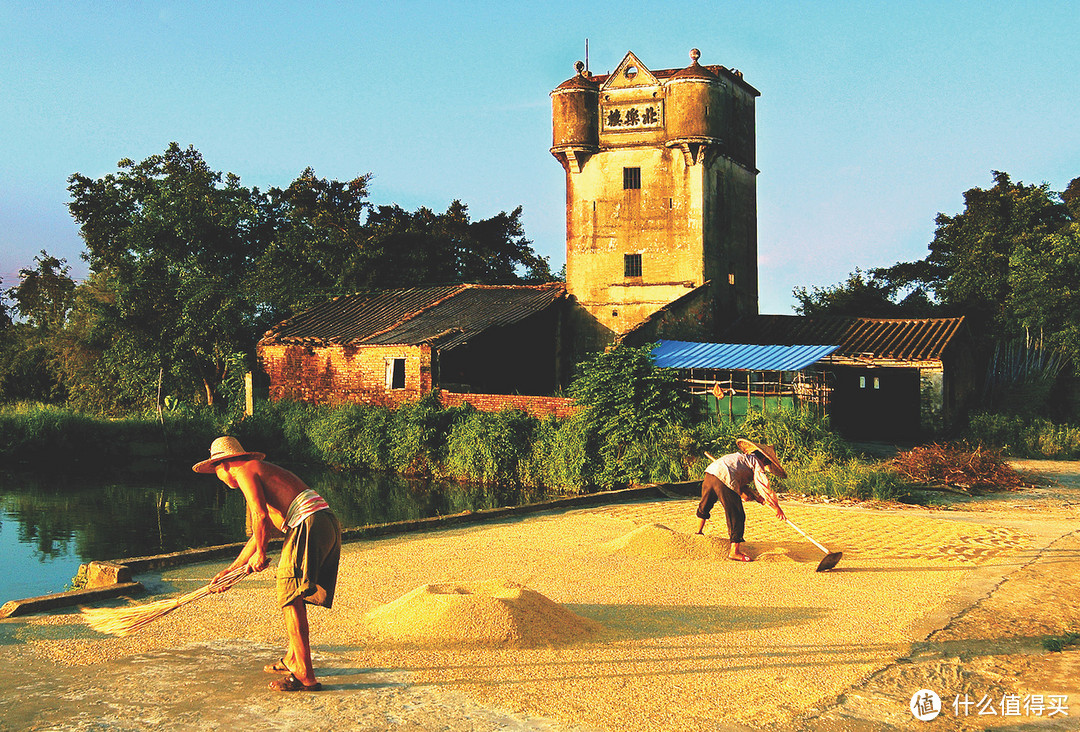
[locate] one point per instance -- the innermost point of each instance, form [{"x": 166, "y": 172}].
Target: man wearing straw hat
[
  {"x": 307, "y": 572},
  {"x": 732, "y": 479}
]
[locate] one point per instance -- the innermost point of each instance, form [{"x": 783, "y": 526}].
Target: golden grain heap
[
  {"x": 656, "y": 541},
  {"x": 482, "y": 613}
]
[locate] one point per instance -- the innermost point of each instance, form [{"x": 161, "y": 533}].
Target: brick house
[{"x": 390, "y": 346}]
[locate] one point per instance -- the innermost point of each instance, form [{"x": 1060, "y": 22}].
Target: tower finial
[
  {"x": 580, "y": 66},
  {"x": 694, "y": 54}
]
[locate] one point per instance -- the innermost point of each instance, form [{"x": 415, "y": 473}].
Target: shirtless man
[
  {"x": 732, "y": 479},
  {"x": 307, "y": 572}
]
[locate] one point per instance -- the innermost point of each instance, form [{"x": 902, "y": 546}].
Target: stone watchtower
[{"x": 661, "y": 191}]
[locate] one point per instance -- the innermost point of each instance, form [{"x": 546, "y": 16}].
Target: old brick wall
[
  {"x": 535, "y": 405},
  {"x": 340, "y": 374},
  {"x": 347, "y": 374}
]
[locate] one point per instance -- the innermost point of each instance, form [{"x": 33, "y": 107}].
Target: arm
[
  {"x": 254, "y": 552},
  {"x": 761, "y": 482},
  {"x": 253, "y": 555}
]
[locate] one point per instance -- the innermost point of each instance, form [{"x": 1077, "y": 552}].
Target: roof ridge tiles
[{"x": 409, "y": 316}]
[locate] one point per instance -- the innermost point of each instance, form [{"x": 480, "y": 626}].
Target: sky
[{"x": 874, "y": 116}]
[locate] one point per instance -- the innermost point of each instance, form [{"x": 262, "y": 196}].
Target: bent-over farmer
[
  {"x": 732, "y": 479},
  {"x": 307, "y": 572}
]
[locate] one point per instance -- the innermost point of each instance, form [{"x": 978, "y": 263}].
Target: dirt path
[{"x": 957, "y": 601}]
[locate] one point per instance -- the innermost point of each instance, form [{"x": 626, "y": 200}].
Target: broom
[{"x": 127, "y": 620}]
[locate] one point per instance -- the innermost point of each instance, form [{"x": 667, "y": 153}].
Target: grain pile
[
  {"x": 657, "y": 541},
  {"x": 485, "y": 613}
]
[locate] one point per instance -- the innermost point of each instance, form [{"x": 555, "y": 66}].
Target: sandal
[
  {"x": 740, "y": 558},
  {"x": 277, "y": 667},
  {"x": 291, "y": 683}
]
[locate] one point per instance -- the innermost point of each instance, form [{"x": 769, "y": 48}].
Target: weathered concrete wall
[{"x": 694, "y": 216}]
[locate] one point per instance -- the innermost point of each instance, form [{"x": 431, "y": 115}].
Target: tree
[
  {"x": 315, "y": 229},
  {"x": 1009, "y": 263},
  {"x": 1044, "y": 289},
  {"x": 44, "y": 295},
  {"x": 189, "y": 267},
  {"x": 866, "y": 295},
  {"x": 967, "y": 269},
  {"x": 424, "y": 247},
  {"x": 630, "y": 408},
  {"x": 5, "y": 316},
  {"x": 173, "y": 242},
  {"x": 43, "y": 299}
]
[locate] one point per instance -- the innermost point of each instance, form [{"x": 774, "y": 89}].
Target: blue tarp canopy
[{"x": 737, "y": 356}]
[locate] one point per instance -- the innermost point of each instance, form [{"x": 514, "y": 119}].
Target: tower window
[
  {"x": 631, "y": 265},
  {"x": 631, "y": 178}
]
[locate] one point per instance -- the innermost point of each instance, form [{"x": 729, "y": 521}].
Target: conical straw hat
[
  {"x": 225, "y": 448},
  {"x": 767, "y": 450}
]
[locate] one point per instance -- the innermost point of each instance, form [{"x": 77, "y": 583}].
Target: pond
[{"x": 52, "y": 523}]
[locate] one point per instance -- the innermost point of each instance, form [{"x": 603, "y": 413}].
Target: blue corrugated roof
[{"x": 737, "y": 356}]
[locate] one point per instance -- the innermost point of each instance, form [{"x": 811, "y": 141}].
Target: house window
[
  {"x": 877, "y": 383},
  {"x": 631, "y": 265},
  {"x": 395, "y": 373},
  {"x": 862, "y": 382},
  {"x": 631, "y": 178}
]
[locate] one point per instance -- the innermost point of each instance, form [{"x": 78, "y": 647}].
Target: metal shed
[{"x": 735, "y": 377}]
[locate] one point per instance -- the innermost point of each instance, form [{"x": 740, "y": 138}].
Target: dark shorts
[
  {"x": 712, "y": 490},
  {"x": 309, "y": 561}
]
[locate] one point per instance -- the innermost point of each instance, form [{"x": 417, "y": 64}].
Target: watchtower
[{"x": 661, "y": 190}]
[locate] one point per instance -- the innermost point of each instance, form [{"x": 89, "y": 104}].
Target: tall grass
[
  {"x": 57, "y": 437},
  {"x": 1025, "y": 437},
  {"x": 508, "y": 451}
]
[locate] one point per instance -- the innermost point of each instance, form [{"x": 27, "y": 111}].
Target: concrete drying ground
[{"x": 668, "y": 635}]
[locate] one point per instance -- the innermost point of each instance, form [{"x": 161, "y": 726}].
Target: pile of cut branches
[{"x": 957, "y": 468}]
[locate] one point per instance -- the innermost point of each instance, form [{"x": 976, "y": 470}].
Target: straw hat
[
  {"x": 748, "y": 447},
  {"x": 225, "y": 448}
]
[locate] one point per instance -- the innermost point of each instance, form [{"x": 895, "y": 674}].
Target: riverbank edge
[{"x": 136, "y": 565}]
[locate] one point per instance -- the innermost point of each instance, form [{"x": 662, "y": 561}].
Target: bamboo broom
[{"x": 127, "y": 620}]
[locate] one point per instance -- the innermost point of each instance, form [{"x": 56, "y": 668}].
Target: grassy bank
[{"x": 512, "y": 449}]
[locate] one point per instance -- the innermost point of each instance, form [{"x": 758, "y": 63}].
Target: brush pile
[
  {"x": 956, "y": 468},
  {"x": 127, "y": 620}
]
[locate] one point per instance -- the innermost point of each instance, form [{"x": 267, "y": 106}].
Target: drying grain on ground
[{"x": 624, "y": 619}]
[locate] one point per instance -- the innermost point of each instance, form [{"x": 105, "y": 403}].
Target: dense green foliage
[
  {"x": 52, "y": 437},
  {"x": 521, "y": 456},
  {"x": 1025, "y": 437},
  {"x": 631, "y": 415},
  {"x": 188, "y": 268}
]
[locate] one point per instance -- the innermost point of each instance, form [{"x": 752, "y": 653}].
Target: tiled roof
[
  {"x": 443, "y": 316},
  {"x": 664, "y": 74},
  {"x": 894, "y": 339},
  {"x": 737, "y": 356}
]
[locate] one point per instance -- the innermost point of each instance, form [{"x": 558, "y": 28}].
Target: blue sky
[{"x": 873, "y": 116}]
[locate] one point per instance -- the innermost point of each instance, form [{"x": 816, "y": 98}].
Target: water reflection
[{"x": 50, "y": 523}]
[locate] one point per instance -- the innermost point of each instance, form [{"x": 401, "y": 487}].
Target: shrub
[
  {"x": 1024, "y": 437},
  {"x": 488, "y": 447}
]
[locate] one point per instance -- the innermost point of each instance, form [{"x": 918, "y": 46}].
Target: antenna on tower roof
[{"x": 586, "y": 56}]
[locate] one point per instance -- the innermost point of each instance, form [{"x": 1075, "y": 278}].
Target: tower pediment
[{"x": 630, "y": 74}]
